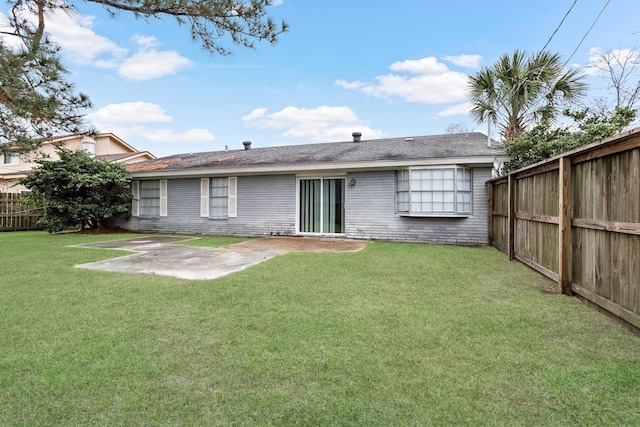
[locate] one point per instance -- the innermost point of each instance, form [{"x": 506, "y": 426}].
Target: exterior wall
[
  {"x": 11, "y": 186},
  {"x": 106, "y": 145},
  {"x": 371, "y": 206},
  {"x": 267, "y": 206}
]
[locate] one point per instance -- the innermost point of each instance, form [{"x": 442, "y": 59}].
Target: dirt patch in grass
[
  {"x": 280, "y": 243},
  {"x": 303, "y": 244},
  {"x": 103, "y": 230}
]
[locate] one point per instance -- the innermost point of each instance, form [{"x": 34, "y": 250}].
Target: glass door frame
[{"x": 322, "y": 179}]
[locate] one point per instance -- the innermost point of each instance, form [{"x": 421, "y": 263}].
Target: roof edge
[{"x": 320, "y": 167}]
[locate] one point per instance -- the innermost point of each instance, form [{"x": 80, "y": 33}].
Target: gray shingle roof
[{"x": 418, "y": 147}]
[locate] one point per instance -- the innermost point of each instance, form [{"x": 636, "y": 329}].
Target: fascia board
[
  {"x": 335, "y": 167},
  {"x": 135, "y": 155}
]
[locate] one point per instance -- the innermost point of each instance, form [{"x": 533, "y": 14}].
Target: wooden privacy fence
[
  {"x": 18, "y": 214},
  {"x": 576, "y": 219}
]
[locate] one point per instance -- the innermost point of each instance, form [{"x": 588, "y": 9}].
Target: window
[
  {"x": 11, "y": 158},
  {"x": 434, "y": 191},
  {"x": 218, "y": 197},
  {"x": 150, "y": 198}
]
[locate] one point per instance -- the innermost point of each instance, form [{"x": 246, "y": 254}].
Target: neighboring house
[
  {"x": 104, "y": 146},
  {"x": 427, "y": 189}
]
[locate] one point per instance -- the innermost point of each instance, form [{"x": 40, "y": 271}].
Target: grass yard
[{"x": 395, "y": 335}]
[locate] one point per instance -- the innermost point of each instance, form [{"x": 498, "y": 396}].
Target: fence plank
[
  {"x": 621, "y": 312},
  {"x": 512, "y": 215},
  {"x": 490, "y": 210},
  {"x": 634, "y": 272},
  {"x": 617, "y": 227},
  {"x": 564, "y": 227}
]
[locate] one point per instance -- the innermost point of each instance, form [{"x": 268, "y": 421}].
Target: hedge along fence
[
  {"x": 576, "y": 219},
  {"x": 17, "y": 213}
]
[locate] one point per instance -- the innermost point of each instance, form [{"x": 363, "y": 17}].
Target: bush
[
  {"x": 545, "y": 141},
  {"x": 79, "y": 190}
]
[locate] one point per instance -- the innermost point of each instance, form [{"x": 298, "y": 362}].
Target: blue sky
[{"x": 386, "y": 69}]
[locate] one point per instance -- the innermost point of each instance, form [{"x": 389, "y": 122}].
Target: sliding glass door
[
  {"x": 321, "y": 205},
  {"x": 310, "y": 197}
]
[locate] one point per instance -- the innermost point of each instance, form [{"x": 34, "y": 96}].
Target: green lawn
[{"x": 394, "y": 335}]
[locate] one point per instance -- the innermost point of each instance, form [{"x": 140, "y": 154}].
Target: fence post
[
  {"x": 511, "y": 217},
  {"x": 491, "y": 209},
  {"x": 564, "y": 226}
]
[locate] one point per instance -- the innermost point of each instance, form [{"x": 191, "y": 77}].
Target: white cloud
[
  {"x": 145, "y": 42},
  {"x": 256, "y": 114},
  {"x": 594, "y": 61},
  {"x": 152, "y": 64},
  {"x": 135, "y": 120},
  {"x": 600, "y": 62},
  {"x": 323, "y": 123},
  {"x": 276, "y": 2},
  {"x": 455, "y": 110},
  {"x": 429, "y": 65},
  {"x": 429, "y": 82},
  {"x": 170, "y": 135},
  {"x": 350, "y": 85},
  {"x": 467, "y": 61},
  {"x": 80, "y": 43},
  {"x": 129, "y": 112},
  {"x": 73, "y": 32},
  {"x": 9, "y": 41}
]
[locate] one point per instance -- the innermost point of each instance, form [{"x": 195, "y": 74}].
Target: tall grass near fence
[
  {"x": 19, "y": 213},
  {"x": 576, "y": 219}
]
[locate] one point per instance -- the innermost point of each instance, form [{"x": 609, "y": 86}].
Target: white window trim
[
  {"x": 320, "y": 177},
  {"x": 204, "y": 197},
  {"x": 232, "y": 194},
  {"x": 232, "y": 197},
  {"x": 162, "y": 201},
  {"x": 455, "y": 214},
  {"x": 135, "y": 189},
  {"x": 9, "y": 156},
  {"x": 163, "y": 197}
]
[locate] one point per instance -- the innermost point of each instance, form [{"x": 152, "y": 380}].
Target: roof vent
[
  {"x": 356, "y": 136},
  {"x": 247, "y": 145},
  {"x": 408, "y": 139}
]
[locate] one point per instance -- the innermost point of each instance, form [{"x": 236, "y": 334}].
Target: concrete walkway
[{"x": 157, "y": 255}]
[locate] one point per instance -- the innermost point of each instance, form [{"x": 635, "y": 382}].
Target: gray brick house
[{"x": 426, "y": 189}]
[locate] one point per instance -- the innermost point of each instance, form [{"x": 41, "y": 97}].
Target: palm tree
[{"x": 519, "y": 91}]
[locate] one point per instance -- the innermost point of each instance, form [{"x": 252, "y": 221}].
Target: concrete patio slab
[{"x": 157, "y": 255}]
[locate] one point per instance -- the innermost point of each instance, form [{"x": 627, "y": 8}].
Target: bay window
[{"x": 434, "y": 191}]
